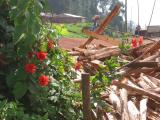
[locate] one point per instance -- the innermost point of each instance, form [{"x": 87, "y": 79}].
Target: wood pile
[
  {"x": 95, "y": 53},
  {"x": 137, "y": 95}
]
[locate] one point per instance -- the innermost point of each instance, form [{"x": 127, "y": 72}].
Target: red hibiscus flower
[
  {"x": 78, "y": 65},
  {"x": 50, "y": 44},
  {"x": 43, "y": 80},
  {"x": 30, "y": 68},
  {"x": 41, "y": 56},
  {"x": 134, "y": 43},
  {"x": 30, "y": 54},
  {"x": 140, "y": 40}
]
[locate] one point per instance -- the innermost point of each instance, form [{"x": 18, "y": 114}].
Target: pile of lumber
[
  {"x": 95, "y": 53},
  {"x": 137, "y": 95}
]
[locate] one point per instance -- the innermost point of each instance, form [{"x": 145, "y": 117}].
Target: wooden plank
[
  {"x": 133, "y": 111},
  {"x": 105, "y": 49},
  {"x": 111, "y": 116},
  {"x": 86, "y": 96},
  {"x": 154, "y": 80},
  {"x": 150, "y": 58},
  {"x": 94, "y": 34},
  {"x": 152, "y": 48},
  {"x": 124, "y": 100},
  {"x": 138, "y": 90},
  {"x": 114, "y": 99},
  {"x": 148, "y": 81},
  {"x": 144, "y": 64},
  {"x": 75, "y": 53},
  {"x": 101, "y": 55},
  {"x": 143, "y": 109},
  {"x": 102, "y": 26}
]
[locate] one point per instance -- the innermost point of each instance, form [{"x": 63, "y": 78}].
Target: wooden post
[
  {"x": 86, "y": 96},
  {"x": 126, "y": 26},
  {"x": 104, "y": 23}
]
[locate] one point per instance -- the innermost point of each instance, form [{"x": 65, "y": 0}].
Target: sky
[{"x": 144, "y": 11}]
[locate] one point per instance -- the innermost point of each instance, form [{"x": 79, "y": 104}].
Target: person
[
  {"x": 138, "y": 29},
  {"x": 95, "y": 20}
]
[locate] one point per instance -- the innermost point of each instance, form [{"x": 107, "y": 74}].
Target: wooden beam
[
  {"x": 105, "y": 22},
  {"x": 138, "y": 90},
  {"x": 86, "y": 96},
  {"x": 144, "y": 64},
  {"x": 94, "y": 34},
  {"x": 102, "y": 55},
  {"x": 155, "y": 46}
]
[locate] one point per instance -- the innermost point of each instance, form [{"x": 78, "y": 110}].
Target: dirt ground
[{"x": 69, "y": 43}]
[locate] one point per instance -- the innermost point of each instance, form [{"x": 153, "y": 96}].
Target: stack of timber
[
  {"x": 137, "y": 95},
  {"x": 97, "y": 53}
]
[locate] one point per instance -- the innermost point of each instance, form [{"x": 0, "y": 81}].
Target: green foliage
[
  {"x": 125, "y": 45},
  {"x": 124, "y": 48},
  {"x": 26, "y": 23},
  {"x": 60, "y": 99},
  {"x": 102, "y": 79},
  {"x": 74, "y": 30},
  {"x": 15, "y": 111},
  {"x": 6, "y": 26},
  {"x": 71, "y": 30}
]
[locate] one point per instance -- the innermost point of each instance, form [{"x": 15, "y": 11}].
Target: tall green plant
[{"x": 38, "y": 74}]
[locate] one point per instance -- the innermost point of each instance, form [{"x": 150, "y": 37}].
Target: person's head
[{"x": 97, "y": 17}]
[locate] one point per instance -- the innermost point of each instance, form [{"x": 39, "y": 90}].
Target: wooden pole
[
  {"x": 104, "y": 23},
  {"x": 126, "y": 15},
  {"x": 138, "y": 10},
  {"x": 138, "y": 90},
  {"x": 86, "y": 96}
]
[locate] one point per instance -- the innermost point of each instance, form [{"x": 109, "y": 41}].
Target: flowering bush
[{"x": 38, "y": 73}]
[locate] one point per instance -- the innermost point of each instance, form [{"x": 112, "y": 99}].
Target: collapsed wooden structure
[{"x": 134, "y": 97}]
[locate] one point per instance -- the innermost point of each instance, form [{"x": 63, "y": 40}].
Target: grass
[{"x": 74, "y": 30}]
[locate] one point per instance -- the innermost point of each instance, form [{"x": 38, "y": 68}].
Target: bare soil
[{"x": 69, "y": 43}]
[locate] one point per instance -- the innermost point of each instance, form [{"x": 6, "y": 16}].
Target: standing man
[
  {"x": 96, "y": 21},
  {"x": 137, "y": 31}
]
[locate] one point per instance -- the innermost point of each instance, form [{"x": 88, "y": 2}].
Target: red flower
[
  {"x": 140, "y": 40},
  {"x": 43, "y": 80},
  {"x": 30, "y": 68},
  {"x": 30, "y": 54},
  {"x": 78, "y": 65},
  {"x": 41, "y": 55},
  {"x": 134, "y": 43},
  {"x": 50, "y": 44}
]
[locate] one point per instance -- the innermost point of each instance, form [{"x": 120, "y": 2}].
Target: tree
[{"x": 89, "y": 8}]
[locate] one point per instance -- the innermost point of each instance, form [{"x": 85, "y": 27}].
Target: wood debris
[{"x": 137, "y": 95}]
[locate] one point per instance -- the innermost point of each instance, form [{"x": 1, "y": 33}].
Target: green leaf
[
  {"x": 20, "y": 90},
  {"x": 43, "y": 46},
  {"x": 23, "y": 35},
  {"x": 11, "y": 80}
]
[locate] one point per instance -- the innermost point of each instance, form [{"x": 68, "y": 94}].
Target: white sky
[{"x": 145, "y": 12}]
